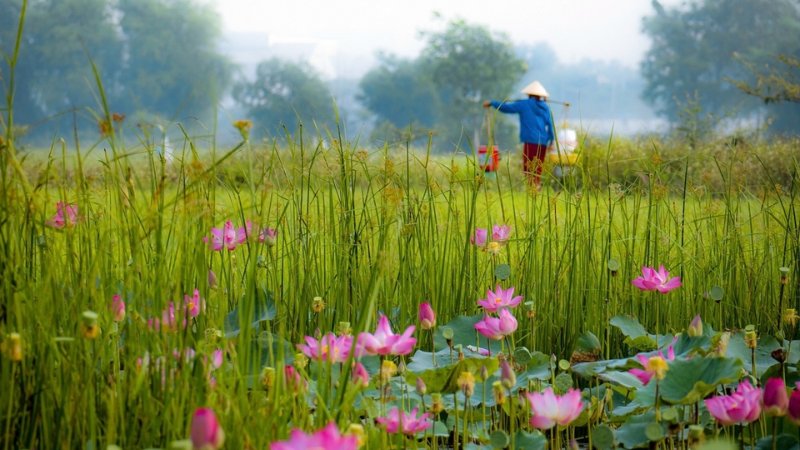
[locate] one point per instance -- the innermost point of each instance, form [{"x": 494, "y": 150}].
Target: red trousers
[{"x": 532, "y": 161}]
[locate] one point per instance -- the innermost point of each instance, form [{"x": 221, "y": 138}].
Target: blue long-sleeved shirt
[{"x": 535, "y": 119}]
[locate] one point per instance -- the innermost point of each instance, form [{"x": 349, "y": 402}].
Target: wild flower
[
  {"x": 549, "y": 409},
  {"x": 207, "y": 433},
  {"x": 192, "y": 304},
  {"x": 66, "y": 215},
  {"x": 498, "y": 299},
  {"x": 385, "y": 342},
  {"x": 426, "y": 316},
  {"x": 479, "y": 237},
  {"x": 329, "y": 348},
  {"x": 226, "y": 237},
  {"x": 497, "y": 327},
  {"x": 327, "y": 438},
  {"x": 656, "y": 280},
  {"x": 650, "y": 369},
  {"x": 397, "y": 421},
  {"x": 268, "y": 236},
  {"x": 743, "y": 406},
  {"x": 501, "y": 233}
]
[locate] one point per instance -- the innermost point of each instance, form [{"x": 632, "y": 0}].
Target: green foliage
[{"x": 285, "y": 95}]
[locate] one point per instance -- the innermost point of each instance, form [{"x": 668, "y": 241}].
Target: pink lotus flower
[
  {"x": 117, "y": 308},
  {"x": 192, "y": 304},
  {"x": 397, "y": 421},
  {"x": 328, "y": 438},
  {"x": 329, "y": 348},
  {"x": 207, "y": 434},
  {"x": 499, "y": 299},
  {"x": 497, "y": 327},
  {"x": 427, "y": 318},
  {"x": 227, "y": 237},
  {"x": 743, "y": 406},
  {"x": 549, "y": 409},
  {"x": 385, "y": 342},
  {"x": 66, "y": 215},
  {"x": 775, "y": 399},
  {"x": 268, "y": 236},
  {"x": 501, "y": 233},
  {"x": 479, "y": 238},
  {"x": 643, "y": 375},
  {"x": 360, "y": 375},
  {"x": 656, "y": 280}
]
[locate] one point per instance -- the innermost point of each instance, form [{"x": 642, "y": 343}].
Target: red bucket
[{"x": 489, "y": 163}]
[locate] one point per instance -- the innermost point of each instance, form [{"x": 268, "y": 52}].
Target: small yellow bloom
[
  {"x": 437, "y": 405},
  {"x": 466, "y": 382},
  {"x": 357, "y": 430},
  {"x": 300, "y": 360},
  {"x": 657, "y": 366},
  {"x": 244, "y": 127},
  {"x": 318, "y": 305},
  {"x": 499, "y": 392},
  {"x": 790, "y": 317},
  {"x": 494, "y": 248},
  {"x": 388, "y": 370},
  {"x": 268, "y": 377},
  {"x": 12, "y": 347}
]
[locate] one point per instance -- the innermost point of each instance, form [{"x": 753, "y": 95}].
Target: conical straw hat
[{"x": 536, "y": 89}]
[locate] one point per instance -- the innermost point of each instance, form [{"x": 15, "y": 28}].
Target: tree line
[{"x": 159, "y": 62}]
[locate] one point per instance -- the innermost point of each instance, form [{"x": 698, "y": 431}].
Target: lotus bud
[
  {"x": 696, "y": 327},
  {"x": 212, "y": 279},
  {"x": 484, "y": 373},
  {"x": 437, "y": 405},
  {"x": 117, "y": 308},
  {"x": 421, "y": 387},
  {"x": 719, "y": 343},
  {"x": 507, "y": 376},
  {"x": 427, "y": 317},
  {"x": 775, "y": 398},
  {"x": 360, "y": 375},
  {"x": 793, "y": 411},
  {"x": 89, "y": 327},
  {"x": 207, "y": 434},
  {"x": 466, "y": 382}
]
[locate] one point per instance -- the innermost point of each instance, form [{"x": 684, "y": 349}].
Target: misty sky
[{"x": 575, "y": 29}]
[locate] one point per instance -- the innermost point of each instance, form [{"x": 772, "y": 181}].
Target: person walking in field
[{"x": 536, "y": 130}]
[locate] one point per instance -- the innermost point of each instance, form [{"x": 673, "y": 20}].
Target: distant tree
[
  {"x": 692, "y": 59},
  {"x": 468, "y": 63},
  {"x": 400, "y": 92},
  {"x": 170, "y": 64},
  {"x": 153, "y": 56},
  {"x": 53, "y": 73},
  {"x": 285, "y": 94}
]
